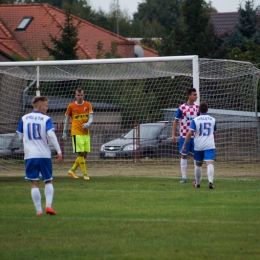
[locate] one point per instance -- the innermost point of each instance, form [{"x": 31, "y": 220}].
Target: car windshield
[
  {"x": 5, "y": 141},
  {"x": 146, "y": 132}
]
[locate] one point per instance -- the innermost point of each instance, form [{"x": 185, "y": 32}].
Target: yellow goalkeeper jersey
[{"x": 79, "y": 115}]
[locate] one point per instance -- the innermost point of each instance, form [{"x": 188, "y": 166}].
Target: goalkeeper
[{"x": 81, "y": 115}]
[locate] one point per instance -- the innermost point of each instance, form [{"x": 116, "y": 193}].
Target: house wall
[{"x": 126, "y": 49}]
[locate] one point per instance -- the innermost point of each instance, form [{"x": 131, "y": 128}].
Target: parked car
[
  {"x": 12, "y": 148},
  {"x": 153, "y": 140}
]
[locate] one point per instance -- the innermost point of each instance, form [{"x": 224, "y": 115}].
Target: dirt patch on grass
[{"x": 162, "y": 168}]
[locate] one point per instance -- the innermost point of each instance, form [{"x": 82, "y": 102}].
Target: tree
[
  {"x": 65, "y": 47},
  {"x": 116, "y": 20},
  {"x": 193, "y": 33},
  {"x": 155, "y": 18},
  {"x": 243, "y": 43},
  {"x": 112, "y": 53},
  {"x": 247, "y": 29}
]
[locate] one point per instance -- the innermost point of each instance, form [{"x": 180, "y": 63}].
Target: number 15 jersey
[{"x": 204, "y": 127}]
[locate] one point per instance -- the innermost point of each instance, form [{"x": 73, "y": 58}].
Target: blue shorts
[
  {"x": 207, "y": 155},
  {"x": 36, "y": 166},
  {"x": 189, "y": 146}
]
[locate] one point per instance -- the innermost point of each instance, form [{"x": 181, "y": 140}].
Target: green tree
[
  {"x": 115, "y": 21},
  {"x": 243, "y": 43},
  {"x": 112, "y": 53},
  {"x": 153, "y": 43},
  {"x": 247, "y": 29},
  {"x": 79, "y": 8},
  {"x": 65, "y": 47},
  {"x": 155, "y": 18},
  {"x": 250, "y": 53},
  {"x": 193, "y": 33}
]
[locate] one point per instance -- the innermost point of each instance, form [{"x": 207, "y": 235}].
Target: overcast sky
[{"x": 131, "y": 5}]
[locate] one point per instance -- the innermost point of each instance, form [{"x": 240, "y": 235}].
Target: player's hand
[
  {"x": 183, "y": 148},
  {"x": 64, "y": 135},
  {"x": 86, "y": 126},
  {"x": 59, "y": 157}
]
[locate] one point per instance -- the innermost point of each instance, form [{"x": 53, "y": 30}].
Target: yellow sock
[
  {"x": 82, "y": 164},
  {"x": 76, "y": 164}
]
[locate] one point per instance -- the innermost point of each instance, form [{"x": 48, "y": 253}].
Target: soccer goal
[{"x": 137, "y": 97}]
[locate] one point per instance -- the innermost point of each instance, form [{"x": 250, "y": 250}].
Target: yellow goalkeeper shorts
[{"x": 81, "y": 143}]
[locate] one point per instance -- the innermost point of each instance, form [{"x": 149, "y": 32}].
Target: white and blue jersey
[
  {"x": 34, "y": 127},
  {"x": 204, "y": 127}
]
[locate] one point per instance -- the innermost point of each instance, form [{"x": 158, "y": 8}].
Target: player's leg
[
  {"x": 183, "y": 161},
  {"x": 209, "y": 159},
  {"x": 85, "y": 149},
  {"x": 32, "y": 175},
  {"x": 76, "y": 164},
  {"x": 36, "y": 197},
  {"x": 194, "y": 161},
  {"x": 46, "y": 172},
  {"x": 198, "y": 157}
]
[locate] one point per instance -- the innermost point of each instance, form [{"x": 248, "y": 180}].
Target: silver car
[
  {"x": 151, "y": 140},
  {"x": 12, "y": 148}
]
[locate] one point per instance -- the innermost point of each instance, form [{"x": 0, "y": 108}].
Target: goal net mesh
[{"x": 126, "y": 95}]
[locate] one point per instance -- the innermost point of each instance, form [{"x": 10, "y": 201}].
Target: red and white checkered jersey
[{"x": 185, "y": 114}]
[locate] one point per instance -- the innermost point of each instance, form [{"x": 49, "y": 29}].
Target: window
[{"x": 24, "y": 23}]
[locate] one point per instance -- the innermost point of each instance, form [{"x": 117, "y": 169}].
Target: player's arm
[
  {"x": 53, "y": 139},
  {"x": 174, "y": 127},
  {"x": 66, "y": 126},
  {"x": 20, "y": 130},
  {"x": 215, "y": 131},
  {"x": 90, "y": 121},
  {"x": 188, "y": 137},
  {"x": 189, "y": 134},
  {"x": 175, "y": 123}
]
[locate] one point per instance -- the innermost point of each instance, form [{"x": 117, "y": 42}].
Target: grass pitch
[{"x": 131, "y": 217}]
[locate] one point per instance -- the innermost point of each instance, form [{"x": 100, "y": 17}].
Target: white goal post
[{"x": 129, "y": 92}]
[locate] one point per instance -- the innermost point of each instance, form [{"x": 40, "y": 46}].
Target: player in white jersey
[
  {"x": 35, "y": 129},
  {"x": 185, "y": 113},
  {"x": 204, "y": 127}
]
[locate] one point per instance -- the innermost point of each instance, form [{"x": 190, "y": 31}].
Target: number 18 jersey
[{"x": 34, "y": 127}]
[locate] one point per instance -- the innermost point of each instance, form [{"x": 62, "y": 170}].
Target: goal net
[{"x": 137, "y": 97}]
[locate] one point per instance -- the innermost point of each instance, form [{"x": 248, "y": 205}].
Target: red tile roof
[{"x": 48, "y": 20}]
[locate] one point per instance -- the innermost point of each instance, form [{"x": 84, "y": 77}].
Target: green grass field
[{"x": 130, "y": 217}]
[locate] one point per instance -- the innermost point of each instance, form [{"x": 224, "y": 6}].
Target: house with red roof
[
  {"x": 23, "y": 28},
  {"x": 224, "y": 22}
]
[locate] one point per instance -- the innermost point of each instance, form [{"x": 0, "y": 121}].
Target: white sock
[
  {"x": 36, "y": 197},
  {"x": 49, "y": 191},
  {"x": 198, "y": 174},
  {"x": 195, "y": 170},
  {"x": 184, "y": 165},
  {"x": 210, "y": 172}
]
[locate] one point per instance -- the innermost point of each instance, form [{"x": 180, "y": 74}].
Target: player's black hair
[
  {"x": 79, "y": 90},
  {"x": 203, "y": 108},
  {"x": 190, "y": 90}
]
